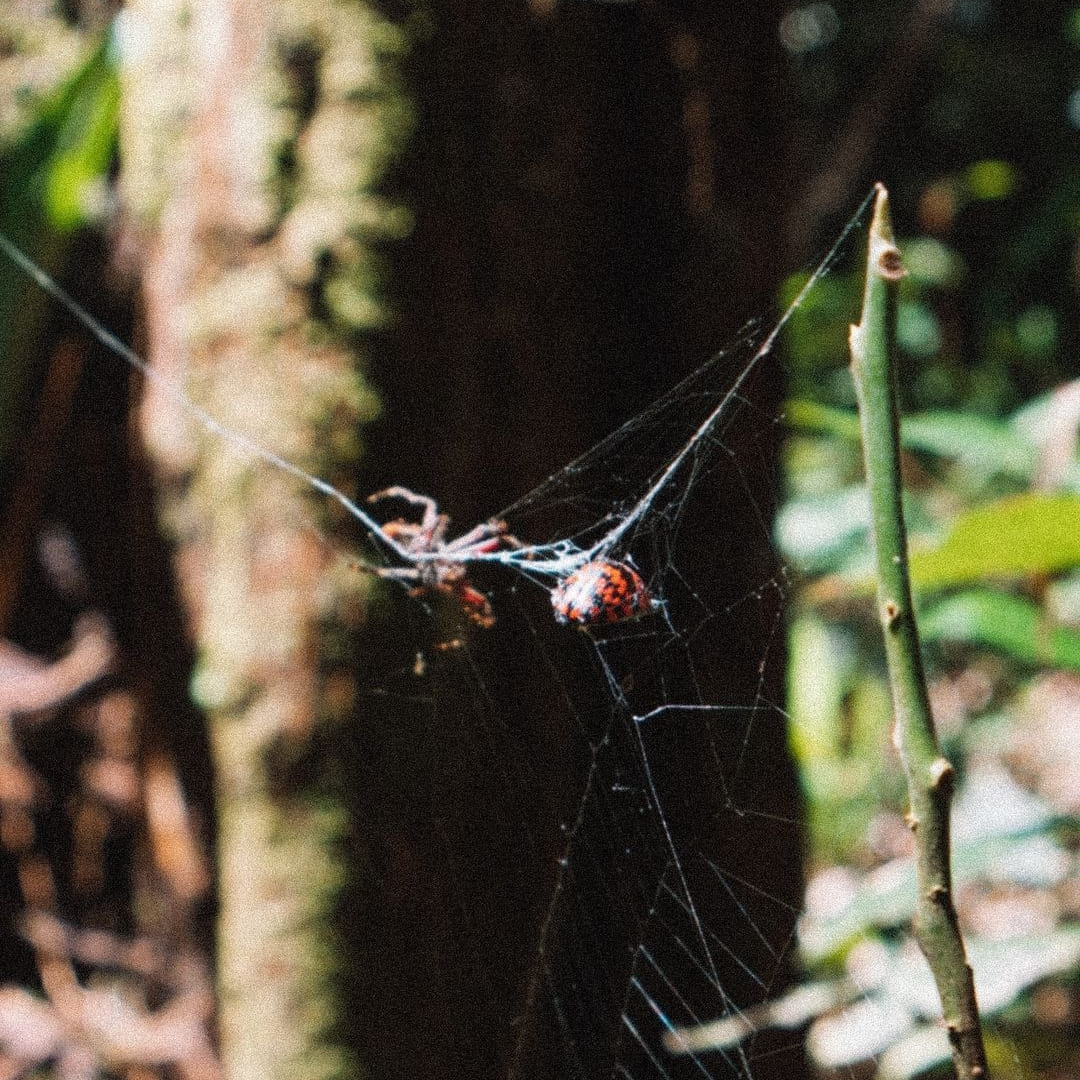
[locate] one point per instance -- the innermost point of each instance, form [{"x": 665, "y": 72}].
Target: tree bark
[{"x": 253, "y": 135}]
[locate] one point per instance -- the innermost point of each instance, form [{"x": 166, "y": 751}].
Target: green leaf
[
  {"x": 816, "y": 531},
  {"x": 1007, "y": 623},
  {"x": 918, "y": 331},
  {"x": 48, "y": 175},
  {"x": 990, "y": 446},
  {"x": 886, "y": 897},
  {"x": 888, "y": 1022},
  {"x": 1033, "y": 533},
  {"x": 85, "y": 144},
  {"x": 991, "y": 179},
  {"x": 805, "y": 415},
  {"x": 986, "y": 445}
]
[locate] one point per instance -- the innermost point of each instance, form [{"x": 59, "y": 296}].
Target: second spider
[{"x": 439, "y": 571}]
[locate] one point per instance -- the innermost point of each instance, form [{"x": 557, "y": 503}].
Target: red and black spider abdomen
[{"x": 601, "y": 592}]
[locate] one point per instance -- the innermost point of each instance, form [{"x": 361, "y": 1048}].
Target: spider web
[
  {"x": 614, "y": 846},
  {"x": 637, "y": 771}
]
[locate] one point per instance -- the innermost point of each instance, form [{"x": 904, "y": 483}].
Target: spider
[
  {"x": 602, "y": 591},
  {"x": 439, "y": 573},
  {"x": 594, "y": 592}
]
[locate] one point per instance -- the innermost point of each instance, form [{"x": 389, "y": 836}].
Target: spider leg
[
  {"x": 407, "y": 531},
  {"x": 487, "y": 537},
  {"x": 508, "y": 538},
  {"x": 473, "y": 539},
  {"x": 428, "y": 506},
  {"x": 392, "y": 573},
  {"x": 431, "y": 531}
]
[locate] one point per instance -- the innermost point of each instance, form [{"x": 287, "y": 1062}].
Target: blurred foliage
[
  {"x": 54, "y": 159},
  {"x": 984, "y": 169},
  {"x": 979, "y": 147}
]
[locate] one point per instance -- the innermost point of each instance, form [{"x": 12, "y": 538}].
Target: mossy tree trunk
[{"x": 252, "y": 137}]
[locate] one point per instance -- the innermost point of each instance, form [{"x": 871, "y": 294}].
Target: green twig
[{"x": 929, "y": 775}]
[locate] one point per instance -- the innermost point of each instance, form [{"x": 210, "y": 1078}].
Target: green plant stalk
[{"x": 929, "y": 774}]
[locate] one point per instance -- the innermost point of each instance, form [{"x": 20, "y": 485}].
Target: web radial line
[
  {"x": 755, "y": 929},
  {"x": 758, "y": 695},
  {"x": 789, "y": 908},
  {"x": 735, "y": 391},
  {"x": 182, "y": 400},
  {"x": 540, "y": 967},
  {"x": 563, "y": 559},
  {"x": 666, "y": 1021},
  {"x": 568, "y": 1038},
  {"x": 740, "y": 473},
  {"x": 521, "y": 767},
  {"x": 695, "y": 1019},
  {"x": 580, "y": 463},
  {"x": 695, "y": 961},
  {"x": 720, "y": 944},
  {"x": 676, "y": 861},
  {"x": 662, "y": 975},
  {"x": 723, "y": 875},
  {"x": 639, "y": 1039},
  {"x": 678, "y": 940}
]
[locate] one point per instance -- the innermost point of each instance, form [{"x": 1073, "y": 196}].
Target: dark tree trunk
[{"x": 598, "y": 195}]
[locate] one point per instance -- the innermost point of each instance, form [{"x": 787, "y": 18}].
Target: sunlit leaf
[
  {"x": 86, "y": 146},
  {"x": 860, "y": 1032},
  {"x": 890, "y": 1023},
  {"x": 1000, "y": 838},
  {"x": 1025, "y": 534},
  {"x": 816, "y": 531}
]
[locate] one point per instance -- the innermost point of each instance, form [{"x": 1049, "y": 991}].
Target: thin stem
[{"x": 929, "y": 774}]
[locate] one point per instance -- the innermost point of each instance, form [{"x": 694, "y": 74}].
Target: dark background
[{"x": 603, "y": 194}]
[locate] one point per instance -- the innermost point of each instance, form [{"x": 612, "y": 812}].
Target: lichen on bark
[{"x": 253, "y": 140}]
